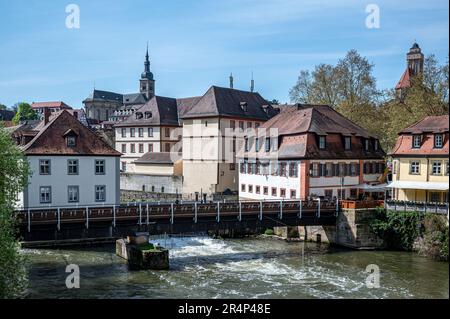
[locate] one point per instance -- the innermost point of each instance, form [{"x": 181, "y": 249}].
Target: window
[
  {"x": 132, "y": 148},
  {"x": 282, "y": 192},
  {"x": 72, "y": 167},
  {"x": 73, "y": 193},
  {"x": 353, "y": 192},
  {"x": 329, "y": 169},
  {"x": 417, "y": 141},
  {"x": 132, "y": 132},
  {"x": 242, "y": 187},
  {"x": 243, "y": 167},
  {"x": 347, "y": 142},
  {"x": 167, "y": 131},
  {"x": 293, "y": 193},
  {"x": 45, "y": 194},
  {"x": 438, "y": 140},
  {"x": 241, "y": 125},
  {"x": 366, "y": 144},
  {"x": 150, "y": 147},
  {"x": 246, "y": 144},
  {"x": 353, "y": 171},
  {"x": 249, "y": 125},
  {"x": 232, "y": 124},
  {"x": 44, "y": 167},
  {"x": 267, "y": 144},
  {"x": 124, "y": 166},
  {"x": 167, "y": 147},
  {"x": 328, "y": 193},
  {"x": 414, "y": 168},
  {"x": 141, "y": 132},
  {"x": 314, "y": 169},
  {"x": 153, "y": 189},
  {"x": 206, "y": 123},
  {"x": 99, "y": 167},
  {"x": 232, "y": 167},
  {"x": 162, "y": 189},
  {"x": 71, "y": 141},
  {"x": 322, "y": 142},
  {"x": 341, "y": 195},
  {"x": 150, "y": 132},
  {"x": 141, "y": 148},
  {"x": 257, "y": 145},
  {"x": 446, "y": 168},
  {"x": 100, "y": 193},
  {"x": 257, "y": 125},
  {"x": 124, "y": 148},
  {"x": 274, "y": 191},
  {"x": 282, "y": 169},
  {"x": 375, "y": 145},
  {"x": 435, "y": 197},
  {"x": 250, "y": 188},
  {"x": 293, "y": 170},
  {"x": 436, "y": 168},
  {"x": 265, "y": 190},
  {"x": 258, "y": 189},
  {"x": 124, "y": 132}
]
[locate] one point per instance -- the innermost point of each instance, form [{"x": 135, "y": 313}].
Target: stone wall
[{"x": 167, "y": 184}]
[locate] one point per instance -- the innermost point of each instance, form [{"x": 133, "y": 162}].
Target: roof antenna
[
  {"x": 252, "y": 84},
  {"x": 231, "y": 80}
]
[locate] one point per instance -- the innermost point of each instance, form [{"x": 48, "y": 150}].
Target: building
[
  {"x": 309, "y": 151},
  {"x": 57, "y": 106},
  {"x": 421, "y": 161},
  {"x": 214, "y": 127},
  {"x": 70, "y": 165},
  {"x": 111, "y": 106},
  {"x": 155, "y": 127},
  {"x": 414, "y": 67}
]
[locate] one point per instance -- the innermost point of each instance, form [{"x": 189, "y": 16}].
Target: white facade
[{"x": 87, "y": 187}]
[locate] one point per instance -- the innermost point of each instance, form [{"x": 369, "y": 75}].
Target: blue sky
[{"x": 195, "y": 44}]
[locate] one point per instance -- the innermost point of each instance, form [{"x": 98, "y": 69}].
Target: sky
[{"x": 198, "y": 43}]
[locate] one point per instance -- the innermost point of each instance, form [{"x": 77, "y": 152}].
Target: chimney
[{"x": 46, "y": 115}]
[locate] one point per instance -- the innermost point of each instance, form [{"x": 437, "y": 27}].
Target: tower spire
[
  {"x": 252, "y": 84},
  {"x": 231, "y": 80}
]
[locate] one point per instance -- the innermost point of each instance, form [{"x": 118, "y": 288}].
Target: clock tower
[{"x": 147, "y": 83}]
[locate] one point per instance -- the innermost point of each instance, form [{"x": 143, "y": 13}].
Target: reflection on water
[{"x": 202, "y": 267}]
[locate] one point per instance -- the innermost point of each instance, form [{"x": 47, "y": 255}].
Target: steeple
[
  {"x": 252, "y": 84},
  {"x": 231, "y": 80},
  {"x": 147, "y": 83},
  {"x": 415, "y": 59}
]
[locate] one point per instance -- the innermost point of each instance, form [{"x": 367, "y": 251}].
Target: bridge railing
[{"x": 425, "y": 207}]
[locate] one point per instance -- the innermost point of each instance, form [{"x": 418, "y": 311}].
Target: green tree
[
  {"x": 13, "y": 178},
  {"x": 2, "y": 106},
  {"x": 25, "y": 112}
]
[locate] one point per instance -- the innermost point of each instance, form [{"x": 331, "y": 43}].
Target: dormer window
[
  {"x": 138, "y": 115},
  {"x": 417, "y": 141},
  {"x": 71, "y": 141},
  {"x": 148, "y": 115},
  {"x": 375, "y": 145},
  {"x": 366, "y": 144},
  {"x": 438, "y": 140},
  {"x": 322, "y": 142},
  {"x": 243, "y": 106}
]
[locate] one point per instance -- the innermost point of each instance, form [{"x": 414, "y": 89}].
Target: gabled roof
[
  {"x": 158, "y": 158},
  {"x": 57, "y": 104},
  {"x": 50, "y": 139},
  {"x": 219, "y": 101},
  {"x": 127, "y": 99},
  {"x": 432, "y": 124},
  {"x": 405, "y": 80},
  {"x": 134, "y": 98}
]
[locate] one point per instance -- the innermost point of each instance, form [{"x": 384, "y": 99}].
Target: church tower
[
  {"x": 147, "y": 83},
  {"x": 415, "y": 59}
]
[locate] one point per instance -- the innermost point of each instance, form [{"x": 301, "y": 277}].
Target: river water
[{"x": 203, "y": 267}]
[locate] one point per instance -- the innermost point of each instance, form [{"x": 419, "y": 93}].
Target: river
[{"x": 203, "y": 267}]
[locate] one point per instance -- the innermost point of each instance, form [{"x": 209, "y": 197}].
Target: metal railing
[{"x": 425, "y": 207}]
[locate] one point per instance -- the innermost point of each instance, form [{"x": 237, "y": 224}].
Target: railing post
[
  {"x": 280, "y": 215},
  {"x": 218, "y": 212},
  {"x": 87, "y": 218},
  {"x": 337, "y": 207},
  {"x": 195, "y": 212},
  {"x": 240, "y": 211},
  {"x": 114, "y": 216},
  {"x": 29, "y": 220},
  {"x": 300, "y": 208},
  {"x": 140, "y": 214},
  {"x": 59, "y": 219},
  {"x": 171, "y": 213},
  {"x": 260, "y": 210},
  {"x": 318, "y": 208},
  {"x": 146, "y": 212}
]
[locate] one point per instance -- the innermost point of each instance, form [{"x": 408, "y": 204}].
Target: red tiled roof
[
  {"x": 404, "y": 81},
  {"x": 55, "y": 104},
  {"x": 50, "y": 139}
]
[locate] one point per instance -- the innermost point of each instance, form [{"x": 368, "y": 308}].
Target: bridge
[{"x": 57, "y": 223}]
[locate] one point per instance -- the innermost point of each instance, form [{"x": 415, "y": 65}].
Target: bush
[
  {"x": 293, "y": 233},
  {"x": 146, "y": 246},
  {"x": 269, "y": 232}
]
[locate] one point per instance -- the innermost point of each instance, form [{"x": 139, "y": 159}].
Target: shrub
[{"x": 269, "y": 232}]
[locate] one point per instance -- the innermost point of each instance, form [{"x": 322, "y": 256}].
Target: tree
[
  {"x": 2, "y": 106},
  {"x": 13, "y": 178},
  {"x": 275, "y": 102},
  {"x": 25, "y": 112}
]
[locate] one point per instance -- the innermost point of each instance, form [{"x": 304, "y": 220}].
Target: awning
[
  {"x": 372, "y": 188},
  {"x": 435, "y": 186}
]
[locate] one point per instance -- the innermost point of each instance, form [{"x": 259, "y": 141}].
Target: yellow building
[{"x": 421, "y": 161}]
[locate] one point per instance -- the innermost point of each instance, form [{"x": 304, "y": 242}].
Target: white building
[{"x": 70, "y": 165}]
